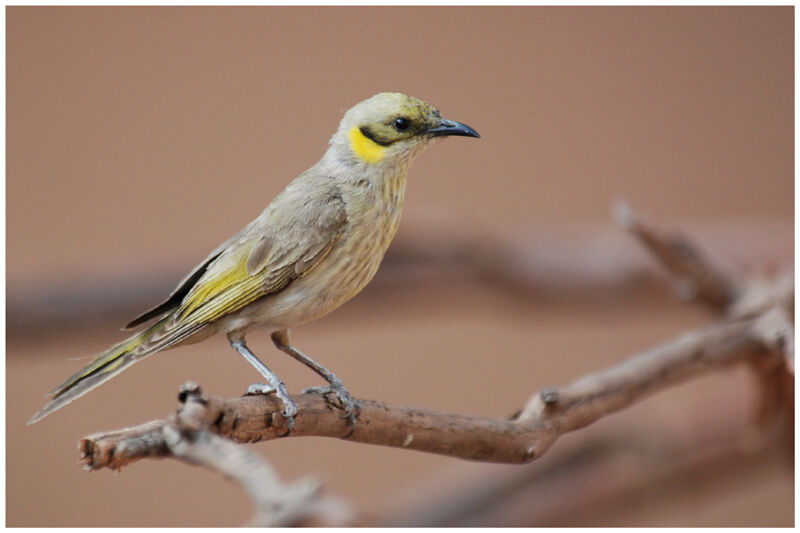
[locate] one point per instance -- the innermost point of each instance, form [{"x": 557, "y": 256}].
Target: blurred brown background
[{"x": 140, "y": 138}]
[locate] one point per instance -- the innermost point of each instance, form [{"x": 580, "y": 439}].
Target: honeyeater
[{"x": 315, "y": 246}]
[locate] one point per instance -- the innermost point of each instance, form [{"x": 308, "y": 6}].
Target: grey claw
[
  {"x": 259, "y": 388},
  {"x": 318, "y": 390},
  {"x": 289, "y": 407},
  {"x": 351, "y": 411},
  {"x": 289, "y": 412},
  {"x": 350, "y": 406}
]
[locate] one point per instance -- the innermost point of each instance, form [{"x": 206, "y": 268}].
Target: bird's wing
[
  {"x": 282, "y": 245},
  {"x": 184, "y": 286}
]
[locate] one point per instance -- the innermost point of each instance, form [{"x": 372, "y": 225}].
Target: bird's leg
[
  {"x": 351, "y": 406},
  {"x": 275, "y": 383}
]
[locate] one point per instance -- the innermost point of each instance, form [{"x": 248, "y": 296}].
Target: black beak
[{"x": 451, "y": 127}]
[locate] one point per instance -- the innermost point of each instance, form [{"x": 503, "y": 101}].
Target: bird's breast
[
  {"x": 373, "y": 219},
  {"x": 373, "y": 216}
]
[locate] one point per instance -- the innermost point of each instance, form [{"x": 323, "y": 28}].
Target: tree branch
[{"x": 547, "y": 415}]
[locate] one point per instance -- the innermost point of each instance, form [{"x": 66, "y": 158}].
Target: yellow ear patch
[{"x": 367, "y": 149}]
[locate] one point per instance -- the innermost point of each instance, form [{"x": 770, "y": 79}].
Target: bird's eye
[{"x": 402, "y": 124}]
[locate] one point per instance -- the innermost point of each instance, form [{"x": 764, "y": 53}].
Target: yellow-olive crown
[{"x": 390, "y": 117}]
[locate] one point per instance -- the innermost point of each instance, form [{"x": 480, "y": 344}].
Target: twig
[{"x": 697, "y": 276}]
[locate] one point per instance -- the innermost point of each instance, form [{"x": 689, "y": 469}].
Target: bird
[{"x": 314, "y": 247}]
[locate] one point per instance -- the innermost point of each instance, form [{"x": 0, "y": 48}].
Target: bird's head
[{"x": 392, "y": 128}]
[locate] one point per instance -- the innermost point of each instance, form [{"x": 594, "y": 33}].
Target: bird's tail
[{"x": 103, "y": 367}]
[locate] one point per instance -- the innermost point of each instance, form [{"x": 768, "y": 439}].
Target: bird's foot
[
  {"x": 259, "y": 388},
  {"x": 350, "y": 405},
  {"x": 289, "y": 407}
]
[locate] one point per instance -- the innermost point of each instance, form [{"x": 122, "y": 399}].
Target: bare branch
[
  {"x": 546, "y": 416},
  {"x": 697, "y": 276}
]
